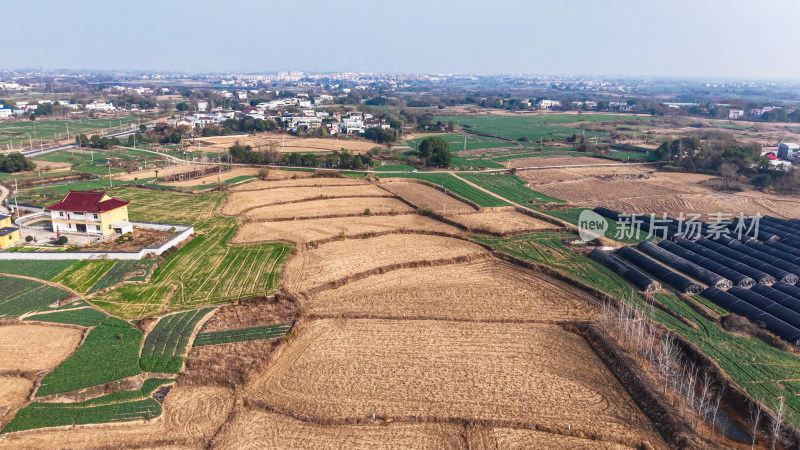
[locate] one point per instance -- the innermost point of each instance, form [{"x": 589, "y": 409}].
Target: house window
[
  {"x": 96, "y": 216},
  {"x": 61, "y": 214},
  {"x": 97, "y": 227},
  {"x": 109, "y": 226}
]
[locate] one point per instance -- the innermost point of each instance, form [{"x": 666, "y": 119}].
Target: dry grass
[
  {"x": 191, "y": 416},
  {"x": 302, "y": 231},
  {"x": 546, "y": 161},
  {"x": 287, "y": 144},
  {"x": 227, "y": 364},
  {"x": 162, "y": 171},
  {"x": 327, "y": 208},
  {"x": 36, "y": 347},
  {"x": 426, "y": 197},
  {"x": 532, "y": 373},
  {"x": 501, "y": 221},
  {"x": 14, "y": 392},
  {"x": 283, "y": 179},
  {"x": 338, "y": 260},
  {"x": 494, "y": 438},
  {"x": 242, "y": 201},
  {"x": 542, "y": 176},
  {"x": 255, "y": 429},
  {"x": 480, "y": 290},
  {"x": 251, "y": 313},
  {"x": 224, "y": 176}
]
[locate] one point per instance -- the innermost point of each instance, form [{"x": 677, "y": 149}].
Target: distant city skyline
[{"x": 700, "y": 39}]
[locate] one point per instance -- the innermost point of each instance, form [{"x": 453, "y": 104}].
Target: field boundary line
[
  {"x": 307, "y": 200},
  {"x": 353, "y": 316}
]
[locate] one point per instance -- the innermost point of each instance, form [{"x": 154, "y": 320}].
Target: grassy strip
[
  {"x": 110, "y": 352},
  {"x": 241, "y": 334},
  {"x": 510, "y": 187},
  {"x": 43, "y": 270},
  {"x": 82, "y": 275},
  {"x": 455, "y": 186},
  {"x": 166, "y": 344},
  {"x": 86, "y": 317},
  {"x": 19, "y": 296}
]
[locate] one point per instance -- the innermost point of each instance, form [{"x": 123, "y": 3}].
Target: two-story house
[
  {"x": 9, "y": 234},
  {"x": 90, "y": 212}
]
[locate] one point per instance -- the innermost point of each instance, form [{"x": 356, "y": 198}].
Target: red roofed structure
[{"x": 90, "y": 212}]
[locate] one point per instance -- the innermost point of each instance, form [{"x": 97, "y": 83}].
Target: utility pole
[
  {"x": 110, "y": 180},
  {"x": 67, "y": 130}
]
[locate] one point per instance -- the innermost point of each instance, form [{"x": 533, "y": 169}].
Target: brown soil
[
  {"x": 328, "y": 208},
  {"x": 287, "y": 144},
  {"x": 227, "y": 364},
  {"x": 427, "y": 197},
  {"x": 239, "y": 202},
  {"x": 36, "y": 347},
  {"x": 14, "y": 392},
  {"x": 503, "y": 222},
  {"x": 251, "y": 313},
  {"x": 141, "y": 238}
]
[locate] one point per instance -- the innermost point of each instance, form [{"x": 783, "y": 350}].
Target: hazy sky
[{"x": 730, "y": 38}]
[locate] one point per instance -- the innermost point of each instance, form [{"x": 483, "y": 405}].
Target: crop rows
[
  {"x": 510, "y": 187},
  {"x": 117, "y": 273},
  {"x": 84, "y": 274},
  {"x": 165, "y": 346},
  {"x": 455, "y": 186},
  {"x": 86, "y": 317},
  {"x": 43, "y": 270},
  {"x": 20, "y": 296},
  {"x": 110, "y": 352},
  {"x": 242, "y": 334}
]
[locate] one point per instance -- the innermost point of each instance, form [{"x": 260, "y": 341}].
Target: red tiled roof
[{"x": 87, "y": 201}]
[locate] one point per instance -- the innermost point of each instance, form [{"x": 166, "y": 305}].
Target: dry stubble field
[
  {"x": 239, "y": 202},
  {"x": 286, "y": 144},
  {"x": 36, "y": 347},
  {"x": 337, "y": 260},
  {"x": 501, "y": 221},
  {"x": 309, "y": 230},
  {"x": 530, "y": 373},
  {"x": 424, "y": 196},
  {"x": 330, "y": 207},
  {"x": 13, "y": 393},
  {"x": 495, "y": 290}
]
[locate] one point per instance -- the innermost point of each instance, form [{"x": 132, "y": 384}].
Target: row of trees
[
  {"x": 338, "y": 159},
  {"x": 97, "y": 141},
  {"x": 15, "y": 162}
]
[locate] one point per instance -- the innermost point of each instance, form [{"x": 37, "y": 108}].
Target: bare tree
[
  {"x": 714, "y": 410},
  {"x": 776, "y": 427},
  {"x": 755, "y": 417}
]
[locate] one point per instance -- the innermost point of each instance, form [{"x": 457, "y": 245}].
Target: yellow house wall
[
  {"x": 9, "y": 240},
  {"x": 107, "y": 219},
  {"x": 5, "y": 222}
]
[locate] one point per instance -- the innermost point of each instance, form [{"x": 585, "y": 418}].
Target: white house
[
  {"x": 735, "y": 113},
  {"x": 99, "y": 107},
  {"x": 241, "y": 95},
  {"x": 5, "y": 112},
  {"x": 202, "y": 106},
  {"x": 545, "y": 104}
]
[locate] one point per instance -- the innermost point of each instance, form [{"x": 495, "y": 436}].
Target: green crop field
[
  {"x": 454, "y": 185},
  {"x": 121, "y": 271},
  {"x": 395, "y": 168},
  {"x": 207, "y": 270},
  {"x": 43, "y": 270},
  {"x": 536, "y": 127},
  {"x": 120, "y": 406},
  {"x": 456, "y": 141},
  {"x": 17, "y": 133},
  {"x": 242, "y": 334},
  {"x": 85, "y": 317},
  {"x": 19, "y": 296},
  {"x": 165, "y": 346},
  {"x": 461, "y": 162},
  {"x": 510, "y": 187},
  {"x": 84, "y": 274},
  {"x": 110, "y": 352}
]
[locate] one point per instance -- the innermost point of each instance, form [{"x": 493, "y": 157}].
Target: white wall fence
[{"x": 182, "y": 233}]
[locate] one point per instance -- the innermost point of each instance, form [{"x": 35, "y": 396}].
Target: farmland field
[
  {"x": 110, "y": 352},
  {"x": 336, "y": 206},
  {"x": 341, "y": 259},
  {"x": 242, "y": 201},
  {"x": 427, "y": 197},
  {"x": 21, "y": 296},
  {"x": 398, "y": 368},
  {"x": 43, "y": 270},
  {"x": 454, "y": 185},
  {"x": 241, "y": 334},
  {"x": 122, "y": 271},
  {"x": 14, "y": 392},
  {"x": 511, "y": 188},
  {"x": 206, "y": 270},
  {"x": 440, "y": 292},
  {"x": 82, "y": 275},
  {"x": 456, "y": 141},
  {"x": 503, "y": 222},
  {"x": 31, "y": 347},
  {"x": 85, "y": 316},
  {"x": 309, "y": 230},
  {"x": 166, "y": 344},
  {"x": 17, "y": 132},
  {"x": 191, "y": 416}
]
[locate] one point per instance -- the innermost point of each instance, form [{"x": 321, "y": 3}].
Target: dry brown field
[
  {"x": 191, "y": 416},
  {"x": 303, "y": 179},
  {"x": 286, "y": 143},
  {"x": 257, "y": 429},
  {"x": 240, "y": 201},
  {"x": 533, "y": 373},
  {"x": 425, "y": 197},
  {"x": 541, "y": 176},
  {"x": 36, "y": 347},
  {"x": 332, "y": 207},
  {"x": 302, "y": 231},
  {"x": 14, "y": 392},
  {"x": 501, "y": 221},
  {"x": 545, "y": 161},
  {"x": 216, "y": 178},
  {"x": 480, "y": 290},
  {"x": 340, "y": 259},
  {"x": 514, "y": 438}
]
